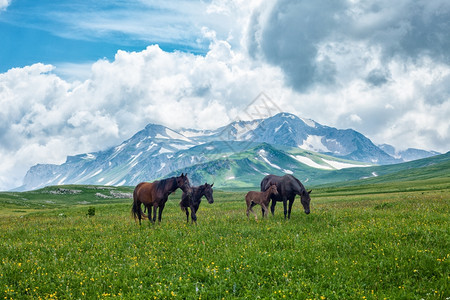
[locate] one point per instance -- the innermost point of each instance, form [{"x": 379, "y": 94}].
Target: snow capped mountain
[
  {"x": 408, "y": 154},
  {"x": 289, "y": 130},
  {"x": 283, "y": 143}
]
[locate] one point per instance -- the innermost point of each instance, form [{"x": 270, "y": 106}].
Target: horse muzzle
[{"x": 307, "y": 212}]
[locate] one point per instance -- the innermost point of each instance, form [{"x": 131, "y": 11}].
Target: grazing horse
[
  {"x": 193, "y": 202},
  {"x": 155, "y": 194},
  {"x": 288, "y": 187},
  {"x": 262, "y": 198}
]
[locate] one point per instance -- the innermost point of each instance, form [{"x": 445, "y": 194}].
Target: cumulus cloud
[
  {"x": 378, "y": 67},
  {"x": 4, "y": 4},
  {"x": 346, "y": 64},
  {"x": 45, "y": 118},
  {"x": 298, "y": 36}
]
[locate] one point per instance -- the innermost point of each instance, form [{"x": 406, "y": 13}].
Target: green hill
[{"x": 423, "y": 169}]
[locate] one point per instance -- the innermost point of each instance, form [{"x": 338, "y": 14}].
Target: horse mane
[
  {"x": 198, "y": 190},
  {"x": 162, "y": 184},
  {"x": 302, "y": 188}
]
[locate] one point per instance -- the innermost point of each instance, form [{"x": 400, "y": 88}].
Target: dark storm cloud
[
  {"x": 378, "y": 77},
  {"x": 290, "y": 36},
  {"x": 290, "y": 33},
  {"x": 407, "y": 29}
]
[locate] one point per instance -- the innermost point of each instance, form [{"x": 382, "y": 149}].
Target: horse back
[
  {"x": 287, "y": 186},
  {"x": 269, "y": 180},
  {"x": 144, "y": 192},
  {"x": 252, "y": 195}
]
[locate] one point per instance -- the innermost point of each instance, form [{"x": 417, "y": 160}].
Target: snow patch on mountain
[
  {"x": 62, "y": 181},
  {"x": 119, "y": 148},
  {"x": 341, "y": 165},
  {"x": 314, "y": 143},
  {"x": 309, "y": 122},
  {"x": 89, "y": 156},
  {"x": 162, "y": 167},
  {"x": 263, "y": 154},
  {"x": 96, "y": 173},
  {"x": 164, "y": 150},
  {"x": 309, "y": 162},
  {"x": 278, "y": 128},
  {"x": 151, "y": 146}
]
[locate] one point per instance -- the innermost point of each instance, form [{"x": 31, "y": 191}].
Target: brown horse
[
  {"x": 155, "y": 194},
  {"x": 262, "y": 198}
]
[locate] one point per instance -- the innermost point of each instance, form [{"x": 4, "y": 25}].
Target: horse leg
[
  {"x": 291, "y": 201},
  {"x": 154, "y": 213},
  {"x": 285, "y": 207},
  {"x": 264, "y": 210},
  {"x": 193, "y": 214},
  {"x": 272, "y": 207},
  {"x": 149, "y": 211},
  {"x": 161, "y": 207},
  {"x": 187, "y": 214},
  {"x": 251, "y": 209}
]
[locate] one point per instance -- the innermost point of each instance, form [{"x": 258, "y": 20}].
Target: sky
[{"x": 82, "y": 76}]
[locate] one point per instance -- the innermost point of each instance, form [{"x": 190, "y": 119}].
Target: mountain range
[{"x": 236, "y": 155}]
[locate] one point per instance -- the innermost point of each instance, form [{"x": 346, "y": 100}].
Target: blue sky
[
  {"x": 55, "y": 32},
  {"x": 82, "y": 76}
]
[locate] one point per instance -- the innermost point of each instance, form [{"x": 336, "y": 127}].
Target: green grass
[{"x": 375, "y": 241}]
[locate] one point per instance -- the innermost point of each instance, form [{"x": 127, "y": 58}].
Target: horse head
[
  {"x": 306, "y": 199},
  {"x": 184, "y": 184},
  {"x": 209, "y": 192},
  {"x": 273, "y": 189}
]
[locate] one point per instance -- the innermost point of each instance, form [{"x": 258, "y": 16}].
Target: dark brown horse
[
  {"x": 262, "y": 198},
  {"x": 288, "y": 187},
  {"x": 193, "y": 202},
  {"x": 155, "y": 194}
]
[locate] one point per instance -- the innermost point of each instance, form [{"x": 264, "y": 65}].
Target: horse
[
  {"x": 193, "y": 201},
  {"x": 155, "y": 194},
  {"x": 262, "y": 198},
  {"x": 288, "y": 187}
]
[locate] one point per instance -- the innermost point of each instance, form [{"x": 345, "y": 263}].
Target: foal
[{"x": 262, "y": 198}]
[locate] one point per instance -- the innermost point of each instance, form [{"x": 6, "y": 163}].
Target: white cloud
[
  {"x": 356, "y": 83},
  {"x": 44, "y": 118},
  {"x": 4, "y": 4}
]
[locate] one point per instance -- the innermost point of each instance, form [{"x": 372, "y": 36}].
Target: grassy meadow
[{"x": 360, "y": 242}]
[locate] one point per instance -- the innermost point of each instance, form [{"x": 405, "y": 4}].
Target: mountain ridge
[{"x": 158, "y": 151}]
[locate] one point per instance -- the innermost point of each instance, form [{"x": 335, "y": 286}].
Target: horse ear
[
  {"x": 182, "y": 174},
  {"x": 309, "y": 192},
  {"x": 212, "y": 184}
]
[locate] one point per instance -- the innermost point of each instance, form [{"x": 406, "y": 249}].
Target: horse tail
[
  {"x": 182, "y": 202},
  {"x": 183, "y": 208},
  {"x": 136, "y": 209}
]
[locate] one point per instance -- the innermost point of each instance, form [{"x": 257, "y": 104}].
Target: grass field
[{"x": 362, "y": 242}]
